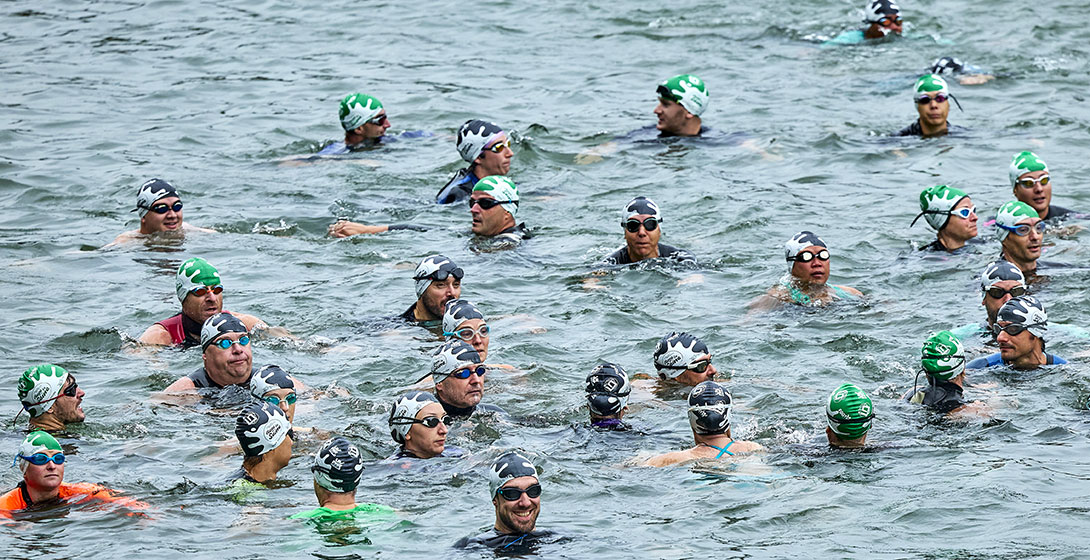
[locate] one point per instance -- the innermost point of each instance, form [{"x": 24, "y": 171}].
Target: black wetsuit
[
  {"x": 620, "y": 256},
  {"x": 514, "y": 233},
  {"x": 942, "y": 396},
  {"x": 460, "y": 412},
  {"x": 1058, "y": 212},
  {"x": 507, "y": 542},
  {"x": 458, "y": 188},
  {"x": 915, "y": 129},
  {"x": 200, "y": 379}
]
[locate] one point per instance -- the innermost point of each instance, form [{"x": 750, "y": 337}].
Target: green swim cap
[
  {"x": 687, "y": 90},
  {"x": 502, "y": 189},
  {"x": 1024, "y": 162},
  {"x": 1010, "y": 214},
  {"x": 194, "y": 273},
  {"x": 358, "y": 108},
  {"x": 39, "y": 386},
  {"x": 37, "y": 442},
  {"x": 930, "y": 83},
  {"x": 849, "y": 412},
  {"x": 943, "y": 356},
  {"x": 936, "y": 203}
]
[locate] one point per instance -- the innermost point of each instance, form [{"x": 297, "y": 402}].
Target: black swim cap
[
  {"x": 337, "y": 465},
  {"x": 607, "y": 389},
  {"x": 709, "y": 409}
]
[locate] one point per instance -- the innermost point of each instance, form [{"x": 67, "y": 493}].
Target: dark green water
[{"x": 97, "y": 97}]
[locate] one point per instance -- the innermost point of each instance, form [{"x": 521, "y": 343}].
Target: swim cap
[
  {"x": 877, "y": 9},
  {"x": 849, "y": 412},
  {"x": 607, "y": 389},
  {"x": 946, "y": 64},
  {"x": 1026, "y": 311},
  {"x": 506, "y": 467},
  {"x": 219, "y": 325},
  {"x": 936, "y": 203},
  {"x": 405, "y": 409},
  {"x": 999, "y": 271},
  {"x": 269, "y": 378},
  {"x": 709, "y": 409},
  {"x": 36, "y": 442},
  {"x": 943, "y": 356},
  {"x": 640, "y": 205},
  {"x": 194, "y": 273},
  {"x": 151, "y": 192},
  {"x": 356, "y": 109},
  {"x": 688, "y": 91},
  {"x": 1010, "y": 214},
  {"x": 473, "y": 136},
  {"x": 929, "y": 83},
  {"x": 458, "y": 311},
  {"x": 260, "y": 428},
  {"x": 1025, "y": 162},
  {"x": 39, "y": 387},
  {"x": 452, "y": 356},
  {"x": 800, "y": 241},
  {"x": 432, "y": 267},
  {"x": 337, "y": 465},
  {"x": 675, "y": 350},
  {"x": 502, "y": 189}
]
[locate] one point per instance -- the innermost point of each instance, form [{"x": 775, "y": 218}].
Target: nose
[
  {"x": 442, "y": 429},
  {"x": 79, "y": 393},
  {"x": 524, "y": 500},
  {"x": 658, "y": 108}
]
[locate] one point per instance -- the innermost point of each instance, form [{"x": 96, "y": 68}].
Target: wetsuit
[
  {"x": 1059, "y": 212},
  {"x": 410, "y": 316},
  {"x": 508, "y": 542},
  {"x": 448, "y": 451},
  {"x": 620, "y": 256},
  {"x": 997, "y": 360},
  {"x": 514, "y": 233},
  {"x": 915, "y": 129},
  {"x": 339, "y": 148},
  {"x": 610, "y": 425},
  {"x": 360, "y": 511},
  {"x": 200, "y": 379},
  {"x": 458, "y": 188},
  {"x": 942, "y": 396},
  {"x": 459, "y": 412},
  {"x": 183, "y": 330},
  {"x": 19, "y": 498}
]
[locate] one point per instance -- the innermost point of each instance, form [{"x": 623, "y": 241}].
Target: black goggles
[
  {"x": 665, "y": 93},
  {"x": 490, "y": 203},
  {"x": 1013, "y": 329},
  {"x": 807, "y": 256},
  {"x": 699, "y": 366},
  {"x": 997, "y": 292},
  {"x": 511, "y": 494},
  {"x": 443, "y": 273},
  {"x": 633, "y": 225}
]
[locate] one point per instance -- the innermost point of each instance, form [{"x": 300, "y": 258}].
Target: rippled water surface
[{"x": 99, "y": 96}]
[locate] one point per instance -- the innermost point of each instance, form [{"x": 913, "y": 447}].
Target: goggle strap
[{"x": 951, "y": 96}]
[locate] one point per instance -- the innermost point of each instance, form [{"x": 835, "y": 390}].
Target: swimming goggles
[
  {"x": 665, "y": 93},
  {"x": 465, "y": 372},
  {"x": 428, "y": 421},
  {"x": 201, "y": 291},
  {"x": 378, "y": 119},
  {"x": 177, "y": 207},
  {"x": 632, "y": 225},
  {"x": 807, "y": 256},
  {"x": 226, "y": 343},
  {"x": 964, "y": 213},
  {"x": 511, "y": 494},
  {"x": 862, "y": 420},
  {"x": 490, "y": 203},
  {"x": 699, "y": 366},
  {"x": 887, "y": 21},
  {"x": 443, "y": 273},
  {"x": 467, "y": 333},
  {"x": 275, "y": 400},
  {"x": 1022, "y": 230},
  {"x": 499, "y": 147},
  {"x": 41, "y": 458},
  {"x": 1013, "y": 329},
  {"x": 1029, "y": 182},
  {"x": 997, "y": 292},
  {"x": 925, "y": 99}
]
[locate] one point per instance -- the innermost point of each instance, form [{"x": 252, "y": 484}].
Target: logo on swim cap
[
  {"x": 930, "y": 83},
  {"x": 687, "y": 90},
  {"x": 502, "y": 189},
  {"x": 356, "y": 109},
  {"x": 38, "y": 387},
  {"x": 194, "y": 273},
  {"x": 151, "y": 192},
  {"x": 676, "y": 351},
  {"x": 641, "y": 205},
  {"x": 709, "y": 408},
  {"x": 943, "y": 356},
  {"x": 1000, "y": 271},
  {"x": 337, "y": 465},
  {"x": 1010, "y": 214},
  {"x": 506, "y": 467},
  {"x": 800, "y": 241},
  {"x": 936, "y": 204},
  {"x": 452, "y": 356},
  {"x": 1022, "y": 163},
  {"x": 473, "y": 136},
  {"x": 946, "y": 65},
  {"x": 219, "y": 325},
  {"x": 458, "y": 311},
  {"x": 405, "y": 409},
  {"x": 849, "y": 411},
  {"x": 260, "y": 428},
  {"x": 607, "y": 389},
  {"x": 1027, "y": 311}
]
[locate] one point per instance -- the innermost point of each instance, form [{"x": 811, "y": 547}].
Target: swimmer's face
[
  {"x": 992, "y": 305},
  {"x": 282, "y": 454},
  {"x": 933, "y": 113},
  {"x": 153, "y": 221},
  {"x": 815, "y": 272},
  {"x": 887, "y": 25},
  {"x": 672, "y": 117},
  {"x": 201, "y": 308},
  {"x": 1025, "y": 248},
  {"x": 694, "y": 378},
  {"x": 962, "y": 228},
  {"x": 492, "y": 163},
  {"x": 44, "y": 478},
  {"x": 488, "y": 222},
  {"x": 69, "y": 409},
  {"x": 642, "y": 244},
  {"x": 370, "y": 129},
  {"x": 439, "y": 292},
  {"x": 425, "y": 442},
  {"x": 478, "y": 342},
  {"x": 231, "y": 366},
  {"x": 462, "y": 393},
  {"x": 1018, "y": 346},
  {"x": 1038, "y": 196},
  {"x": 518, "y": 516},
  {"x": 282, "y": 394}
]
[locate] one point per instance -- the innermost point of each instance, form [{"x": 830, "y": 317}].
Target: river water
[{"x": 100, "y": 96}]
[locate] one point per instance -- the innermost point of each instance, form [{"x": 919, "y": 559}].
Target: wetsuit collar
[
  {"x": 192, "y": 330},
  {"x": 455, "y": 411}
]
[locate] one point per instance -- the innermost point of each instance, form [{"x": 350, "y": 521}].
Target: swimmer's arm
[
  {"x": 257, "y": 326},
  {"x": 595, "y": 154},
  {"x": 123, "y": 238},
  {"x": 851, "y": 291},
  {"x": 975, "y": 409},
  {"x": 975, "y": 79},
  {"x": 752, "y": 146},
  {"x": 183, "y": 384},
  {"x": 667, "y": 459},
  {"x": 187, "y": 227},
  {"x": 299, "y": 385},
  {"x": 696, "y": 278},
  {"x": 345, "y": 228},
  {"x": 157, "y": 335}
]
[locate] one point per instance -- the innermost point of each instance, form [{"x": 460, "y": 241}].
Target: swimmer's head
[
  {"x": 453, "y": 355},
  {"x": 195, "y": 273},
  {"x": 269, "y": 378},
  {"x": 404, "y": 412},
  {"x": 800, "y": 241},
  {"x": 709, "y": 409},
  {"x": 506, "y": 467},
  {"x": 151, "y": 192},
  {"x": 502, "y": 190},
  {"x": 943, "y": 356},
  {"x": 677, "y": 352},
  {"x": 849, "y": 412},
  {"x": 640, "y": 206},
  {"x": 946, "y": 65},
  {"x": 434, "y": 267},
  {"x": 474, "y": 135},
  {"x": 1010, "y": 214},
  {"x": 39, "y": 387},
  {"x": 607, "y": 389},
  {"x": 1001, "y": 271},
  {"x": 219, "y": 325},
  {"x": 930, "y": 83},
  {"x": 884, "y": 17},
  {"x": 337, "y": 466},
  {"x": 458, "y": 311},
  {"x": 1025, "y": 311},
  {"x": 357, "y": 109},
  {"x": 260, "y": 428},
  {"x": 36, "y": 442},
  {"x": 686, "y": 90},
  {"x": 1022, "y": 163},
  {"x": 936, "y": 203}
]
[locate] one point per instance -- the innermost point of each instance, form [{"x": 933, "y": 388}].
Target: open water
[{"x": 99, "y": 96}]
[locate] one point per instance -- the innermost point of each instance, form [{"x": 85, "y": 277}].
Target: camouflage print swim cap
[
  {"x": 36, "y": 442},
  {"x": 39, "y": 387},
  {"x": 929, "y": 83},
  {"x": 937, "y": 202},
  {"x": 943, "y": 356},
  {"x": 1025, "y": 162},
  {"x": 502, "y": 189},
  {"x": 688, "y": 91},
  {"x": 194, "y": 273},
  {"x": 1010, "y": 214},
  {"x": 849, "y": 411},
  {"x": 356, "y": 109}
]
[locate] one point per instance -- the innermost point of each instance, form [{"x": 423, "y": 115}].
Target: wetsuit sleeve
[{"x": 412, "y": 227}]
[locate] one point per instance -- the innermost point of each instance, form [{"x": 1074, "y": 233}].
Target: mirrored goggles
[
  {"x": 468, "y": 333},
  {"x": 997, "y": 292},
  {"x": 807, "y": 256},
  {"x": 499, "y": 147},
  {"x": 464, "y": 373},
  {"x": 290, "y": 399},
  {"x": 378, "y": 119},
  {"x": 1022, "y": 230},
  {"x": 699, "y": 366},
  {"x": 489, "y": 203},
  {"x": 226, "y": 343},
  {"x": 163, "y": 208},
  {"x": 925, "y": 99},
  {"x": 512, "y": 494},
  {"x": 633, "y": 225},
  {"x": 428, "y": 421},
  {"x": 1029, "y": 182},
  {"x": 201, "y": 291}
]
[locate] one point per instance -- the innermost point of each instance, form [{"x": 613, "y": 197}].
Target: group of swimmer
[{"x": 453, "y": 389}]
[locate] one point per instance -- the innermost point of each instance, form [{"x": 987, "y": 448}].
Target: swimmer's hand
[
  {"x": 975, "y": 79},
  {"x": 595, "y": 154},
  {"x": 345, "y": 228}
]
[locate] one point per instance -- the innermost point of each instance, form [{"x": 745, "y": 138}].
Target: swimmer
[
  {"x": 951, "y": 213},
  {"x": 337, "y": 470},
  {"x": 709, "y": 416},
  {"x": 420, "y": 425},
  {"x": 515, "y": 490},
  {"x": 462, "y": 320},
  {"x": 438, "y": 280},
  {"x": 943, "y": 361},
  {"x": 1024, "y": 247},
  {"x": 160, "y": 210},
  {"x": 682, "y": 99},
  {"x": 806, "y": 282},
  {"x": 683, "y": 358},
  {"x": 1032, "y": 185},
  {"x": 1019, "y": 329},
  {"x": 200, "y": 291},
  {"x": 607, "y": 397},
  {"x": 274, "y": 386},
  {"x": 999, "y": 282},
  {"x": 640, "y": 220},
  {"x": 487, "y": 150},
  {"x": 883, "y": 18},
  {"x": 42, "y": 463},
  {"x": 364, "y": 121},
  {"x": 51, "y": 396},
  {"x": 967, "y": 74},
  {"x": 849, "y": 413},
  {"x": 228, "y": 360},
  {"x": 264, "y": 433},
  {"x": 458, "y": 371},
  {"x": 494, "y": 205},
  {"x": 932, "y": 97}
]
